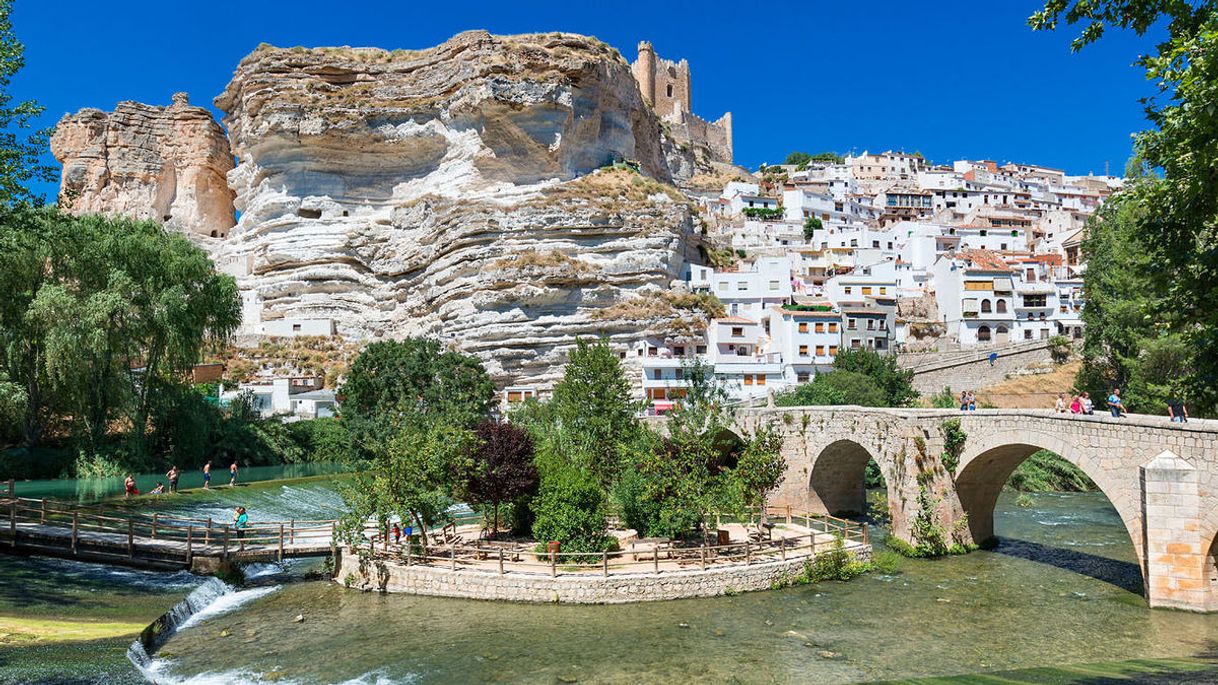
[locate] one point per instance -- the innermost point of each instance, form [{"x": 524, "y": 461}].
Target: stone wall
[
  {"x": 971, "y": 370},
  {"x": 567, "y": 589}
]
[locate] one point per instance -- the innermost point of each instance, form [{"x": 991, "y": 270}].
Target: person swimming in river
[{"x": 207, "y": 476}]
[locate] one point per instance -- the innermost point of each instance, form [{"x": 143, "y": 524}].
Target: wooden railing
[
  {"x": 822, "y": 534},
  {"x": 156, "y": 534}
]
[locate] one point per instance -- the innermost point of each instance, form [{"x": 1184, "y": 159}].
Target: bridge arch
[
  {"x": 837, "y": 481},
  {"x": 991, "y": 458}
]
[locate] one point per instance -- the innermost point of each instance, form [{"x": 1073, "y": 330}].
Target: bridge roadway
[
  {"x": 1161, "y": 477},
  {"x": 155, "y": 541}
]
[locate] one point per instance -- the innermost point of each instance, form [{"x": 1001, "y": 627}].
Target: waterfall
[{"x": 212, "y": 598}]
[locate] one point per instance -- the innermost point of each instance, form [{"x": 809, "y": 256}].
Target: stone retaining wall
[
  {"x": 972, "y": 371},
  {"x": 569, "y": 589}
]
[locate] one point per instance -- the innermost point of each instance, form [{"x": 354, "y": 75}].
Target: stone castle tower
[{"x": 665, "y": 85}]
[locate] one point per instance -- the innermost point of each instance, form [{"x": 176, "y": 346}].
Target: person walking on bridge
[
  {"x": 1115, "y": 405},
  {"x": 241, "y": 521}
]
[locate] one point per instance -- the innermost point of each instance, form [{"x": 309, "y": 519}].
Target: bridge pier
[{"x": 1174, "y": 560}]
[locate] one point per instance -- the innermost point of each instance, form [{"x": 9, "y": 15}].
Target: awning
[
  {"x": 662, "y": 404},
  {"x": 971, "y": 306},
  {"x": 1002, "y": 284}
]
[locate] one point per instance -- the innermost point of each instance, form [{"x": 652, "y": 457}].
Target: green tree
[
  {"x": 592, "y": 406},
  {"x": 897, "y": 383},
  {"x": 21, "y": 146},
  {"x": 103, "y": 312},
  {"x": 811, "y": 224},
  {"x": 413, "y": 382},
  {"x": 1175, "y": 211},
  {"x": 835, "y": 388},
  {"x": 798, "y": 159},
  {"x": 410, "y": 476}
]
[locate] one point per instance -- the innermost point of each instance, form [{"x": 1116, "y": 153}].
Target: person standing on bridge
[
  {"x": 1060, "y": 405},
  {"x": 1115, "y": 405},
  {"x": 1176, "y": 410},
  {"x": 1088, "y": 405},
  {"x": 172, "y": 476},
  {"x": 241, "y": 520},
  {"x": 207, "y": 476},
  {"x": 232, "y": 474},
  {"x": 1076, "y": 405}
]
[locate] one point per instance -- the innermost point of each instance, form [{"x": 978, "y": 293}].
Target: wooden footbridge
[{"x": 156, "y": 540}]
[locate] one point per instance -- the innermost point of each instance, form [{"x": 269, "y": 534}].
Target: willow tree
[{"x": 101, "y": 312}]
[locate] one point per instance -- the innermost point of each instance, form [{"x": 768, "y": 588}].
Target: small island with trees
[{"x": 575, "y": 498}]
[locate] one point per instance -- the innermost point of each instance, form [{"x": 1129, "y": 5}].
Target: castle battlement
[{"x": 665, "y": 85}]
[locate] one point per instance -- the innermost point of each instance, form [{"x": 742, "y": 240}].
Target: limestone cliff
[
  {"x": 169, "y": 164},
  {"x": 449, "y": 191}
]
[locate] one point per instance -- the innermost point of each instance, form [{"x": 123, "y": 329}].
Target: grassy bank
[{"x": 1045, "y": 471}]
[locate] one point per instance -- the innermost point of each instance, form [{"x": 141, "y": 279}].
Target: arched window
[
  {"x": 983, "y": 334},
  {"x": 1004, "y": 335},
  {"x": 986, "y": 307},
  {"x": 1002, "y": 306}
]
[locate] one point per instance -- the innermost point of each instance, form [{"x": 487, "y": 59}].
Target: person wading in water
[{"x": 207, "y": 476}]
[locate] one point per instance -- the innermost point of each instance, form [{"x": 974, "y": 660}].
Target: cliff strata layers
[
  {"x": 168, "y": 164},
  {"x": 450, "y": 192}
]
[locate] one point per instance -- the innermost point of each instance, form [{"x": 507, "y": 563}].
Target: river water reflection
[{"x": 1063, "y": 588}]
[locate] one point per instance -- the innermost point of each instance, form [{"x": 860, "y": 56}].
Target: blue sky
[{"x": 950, "y": 78}]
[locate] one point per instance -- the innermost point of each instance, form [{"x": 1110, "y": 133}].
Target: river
[{"x": 1062, "y": 588}]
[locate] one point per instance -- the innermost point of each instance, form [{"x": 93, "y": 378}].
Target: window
[
  {"x": 679, "y": 350},
  {"x": 833, "y": 350},
  {"x": 1035, "y": 300},
  {"x": 1027, "y": 334},
  {"x": 983, "y": 233},
  {"x": 700, "y": 349},
  {"x": 680, "y": 373},
  {"x": 723, "y": 285},
  {"x": 669, "y": 90},
  {"x": 875, "y": 244},
  {"x": 803, "y": 326},
  {"x": 847, "y": 290},
  {"x": 737, "y": 331},
  {"x": 773, "y": 285},
  {"x": 820, "y": 327},
  {"x": 295, "y": 328},
  {"x": 761, "y": 379},
  {"x": 748, "y": 379},
  {"x": 883, "y": 324},
  {"x": 653, "y": 351},
  {"x": 855, "y": 344},
  {"x": 742, "y": 285},
  {"x": 655, "y": 374},
  {"x": 820, "y": 350},
  {"x": 871, "y": 324},
  {"x": 833, "y": 327},
  {"x": 983, "y": 334},
  {"x": 851, "y": 325},
  {"x": 801, "y": 377},
  {"x": 803, "y": 350},
  {"x": 986, "y": 307},
  {"x": 1001, "y": 306},
  {"x": 883, "y": 290},
  {"x": 866, "y": 290}
]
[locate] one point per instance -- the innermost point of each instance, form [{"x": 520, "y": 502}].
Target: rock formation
[
  {"x": 449, "y": 191},
  {"x": 163, "y": 163},
  {"x": 457, "y": 191}
]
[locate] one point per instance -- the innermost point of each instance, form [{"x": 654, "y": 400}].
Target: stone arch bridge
[{"x": 1161, "y": 477}]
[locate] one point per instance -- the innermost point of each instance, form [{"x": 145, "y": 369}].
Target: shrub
[
  {"x": 953, "y": 444},
  {"x": 762, "y": 213},
  {"x": 570, "y": 509},
  {"x": 1060, "y": 349}
]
